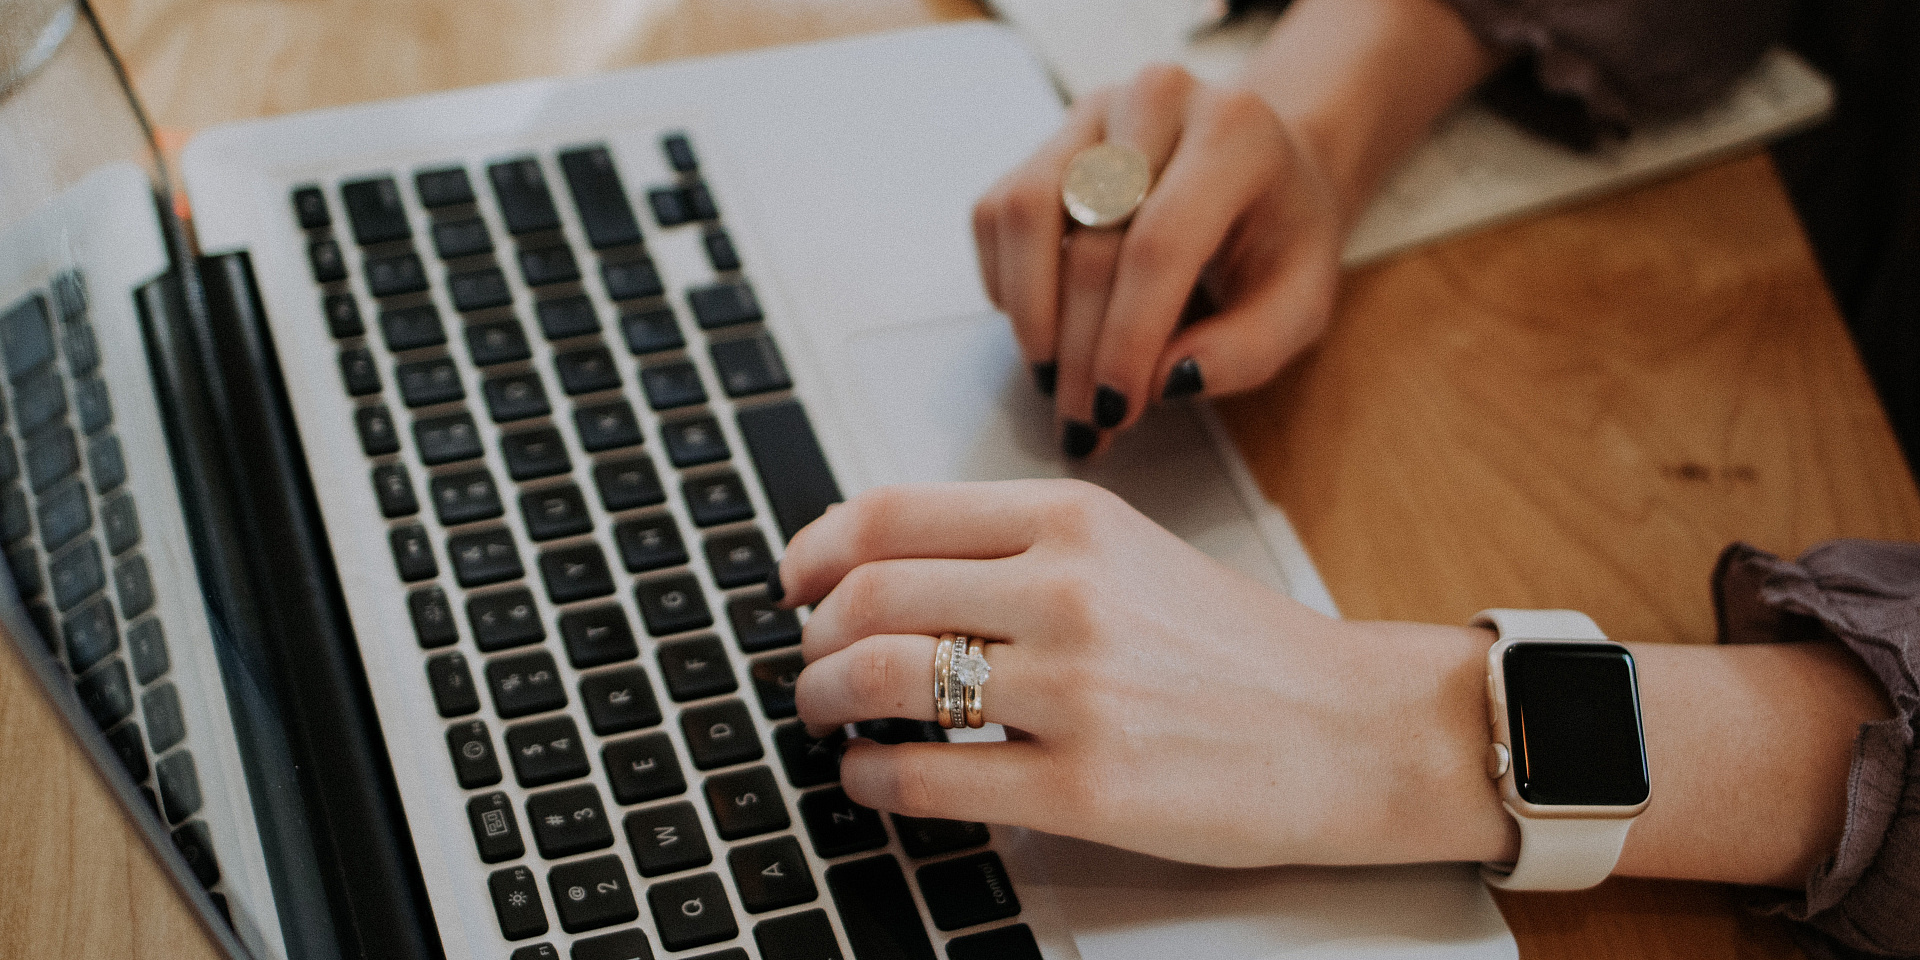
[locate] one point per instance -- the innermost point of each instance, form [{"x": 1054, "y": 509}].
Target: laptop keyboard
[
  {"x": 582, "y": 505},
  {"x": 73, "y": 543}
]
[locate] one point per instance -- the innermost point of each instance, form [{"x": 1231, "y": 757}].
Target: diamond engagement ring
[
  {"x": 1105, "y": 184},
  {"x": 970, "y": 671},
  {"x": 959, "y": 670}
]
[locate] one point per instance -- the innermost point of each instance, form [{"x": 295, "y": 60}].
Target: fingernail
[
  {"x": 775, "y": 590},
  {"x": 1183, "y": 381},
  {"x": 1109, "y": 407},
  {"x": 1045, "y": 375},
  {"x": 1079, "y": 439}
]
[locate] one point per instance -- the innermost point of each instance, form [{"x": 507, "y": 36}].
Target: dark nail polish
[
  {"x": 1109, "y": 407},
  {"x": 775, "y": 590},
  {"x": 1079, "y": 439},
  {"x": 1183, "y": 381},
  {"x": 1045, "y": 375}
]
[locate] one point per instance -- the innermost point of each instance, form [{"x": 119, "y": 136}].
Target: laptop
[{"x": 397, "y": 538}]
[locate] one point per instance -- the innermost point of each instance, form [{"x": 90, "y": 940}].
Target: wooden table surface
[{"x": 1575, "y": 410}]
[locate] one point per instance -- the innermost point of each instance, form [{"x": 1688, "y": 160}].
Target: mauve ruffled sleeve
[{"x": 1864, "y": 900}]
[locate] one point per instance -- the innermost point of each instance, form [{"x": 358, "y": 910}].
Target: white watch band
[{"x": 1555, "y": 853}]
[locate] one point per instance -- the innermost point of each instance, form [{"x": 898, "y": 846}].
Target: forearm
[{"x": 1362, "y": 82}]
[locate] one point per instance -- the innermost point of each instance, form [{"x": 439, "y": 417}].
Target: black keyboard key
[
  {"x": 669, "y": 206},
  {"x": 555, "y": 512},
  {"x": 424, "y": 383},
  {"x": 479, "y": 290},
  {"x": 618, "y": 945},
  {"x": 588, "y": 370},
  {"x": 794, "y": 471},
  {"x": 26, "y": 336},
  {"x": 38, "y": 399},
  {"x": 1007, "y": 943},
  {"x": 563, "y": 317},
  {"x": 432, "y": 618},
  {"x": 65, "y": 513},
  {"x": 809, "y": 762},
  {"x": 474, "y": 763},
  {"x": 525, "y": 201},
  {"x": 607, "y": 426},
  {"x": 483, "y": 557},
  {"x": 749, "y": 366},
  {"x": 9, "y": 461},
  {"x": 772, "y": 874},
  {"x": 692, "y": 912},
  {"x": 358, "y": 372},
  {"x": 195, "y": 844},
  {"x": 504, "y": 619},
  {"x": 774, "y": 679},
  {"x": 443, "y": 188},
  {"x": 672, "y": 385},
  {"x": 924, "y": 837},
  {"x": 328, "y": 265},
  {"x": 465, "y": 497},
  {"x": 838, "y": 826},
  {"x": 461, "y": 238},
  {"x": 410, "y": 328},
  {"x": 179, "y": 785},
  {"x": 569, "y": 821},
  {"x": 649, "y": 544},
  {"x": 578, "y": 572},
  {"x": 91, "y": 633},
  {"x": 600, "y": 197},
  {"x": 806, "y": 935},
  {"x": 446, "y": 439},
  {"x": 310, "y": 206},
  {"x": 628, "y": 483},
  {"x": 968, "y": 891},
  {"x": 147, "y": 648},
  {"x": 343, "y": 315},
  {"x": 103, "y": 457},
  {"x": 746, "y": 803},
  {"x": 547, "y": 751},
  {"x": 723, "y": 304},
  {"x": 132, "y": 751},
  {"x": 516, "y": 396},
  {"x": 667, "y": 839},
  {"x": 619, "y": 700},
  {"x": 76, "y": 575},
  {"x": 160, "y": 707},
  {"x": 413, "y": 553},
  {"x": 52, "y": 454},
  {"x": 548, "y": 265},
  {"x": 700, "y": 202},
  {"x": 133, "y": 584},
  {"x": 24, "y": 561},
  {"x": 877, "y": 911},
  {"x": 643, "y": 768},
  {"x": 375, "y": 211},
  {"x": 395, "y": 275},
  {"x": 720, "y": 735},
  {"x": 16, "y": 518},
  {"x": 694, "y": 441},
  {"x": 592, "y": 894},
  {"x": 651, "y": 330},
  {"x": 672, "y": 605},
  {"x": 679, "y": 153},
  {"x": 632, "y": 279},
  {"x": 106, "y": 693},
  {"x": 897, "y": 730},
  {"x": 516, "y": 901},
  {"x": 696, "y": 668},
  {"x": 536, "y": 951},
  {"x": 91, "y": 406},
  {"x": 717, "y": 498},
  {"x": 739, "y": 558},
  {"x": 531, "y": 454},
  {"x": 394, "y": 491},
  {"x": 452, "y": 683},
  {"x": 377, "y": 436},
  {"x": 501, "y": 341},
  {"x": 720, "y": 250},
  {"x": 526, "y": 683},
  {"x": 495, "y": 831}
]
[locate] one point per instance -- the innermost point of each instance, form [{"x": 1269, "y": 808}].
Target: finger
[
  {"x": 1086, "y": 280},
  {"x": 983, "y": 598},
  {"x": 1242, "y": 348},
  {"x": 1207, "y": 185},
  {"x": 979, "y": 782},
  {"x": 986, "y": 244},
  {"x": 977, "y": 521},
  {"x": 891, "y": 675},
  {"x": 1028, "y": 223}
]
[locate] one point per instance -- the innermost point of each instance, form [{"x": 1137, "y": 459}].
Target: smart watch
[{"x": 1563, "y": 706}]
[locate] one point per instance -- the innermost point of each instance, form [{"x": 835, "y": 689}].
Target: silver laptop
[{"x": 404, "y": 531}]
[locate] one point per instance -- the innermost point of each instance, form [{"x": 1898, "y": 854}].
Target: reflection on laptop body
[{"x": 485, "y": 418}]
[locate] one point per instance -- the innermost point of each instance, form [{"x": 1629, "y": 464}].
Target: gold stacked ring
[
  {"x": 959, "y": 671},
  {"x": 971, "y": 672},
  {"x": 943, "y": 681}
]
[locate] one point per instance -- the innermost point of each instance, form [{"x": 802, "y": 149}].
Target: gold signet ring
[{"x": 1105, "y": 184}]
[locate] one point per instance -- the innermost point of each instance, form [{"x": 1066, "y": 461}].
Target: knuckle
[
  {"x": 1235, "y": 110},
  {"x": 1147, "y": 248},
  {"x": 874, "y": 678},
  {"x": 1029, "y": 205}
]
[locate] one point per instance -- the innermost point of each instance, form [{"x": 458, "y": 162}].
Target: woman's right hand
[{"x": 1239, "y": 207}]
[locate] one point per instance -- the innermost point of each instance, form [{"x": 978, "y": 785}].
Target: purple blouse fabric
[{"x": 1865, "y": 899}]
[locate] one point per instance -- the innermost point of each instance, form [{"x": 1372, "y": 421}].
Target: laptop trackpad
[{"x": 952, "y": 400}]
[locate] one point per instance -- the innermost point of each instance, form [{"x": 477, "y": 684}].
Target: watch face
[{"x": 1574, "y": 717}]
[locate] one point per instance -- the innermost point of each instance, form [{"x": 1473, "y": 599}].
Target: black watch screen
[{"x": 1573, "y": 711}]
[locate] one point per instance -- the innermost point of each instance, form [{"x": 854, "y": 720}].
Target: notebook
[{"x": 402, "y": 532}]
